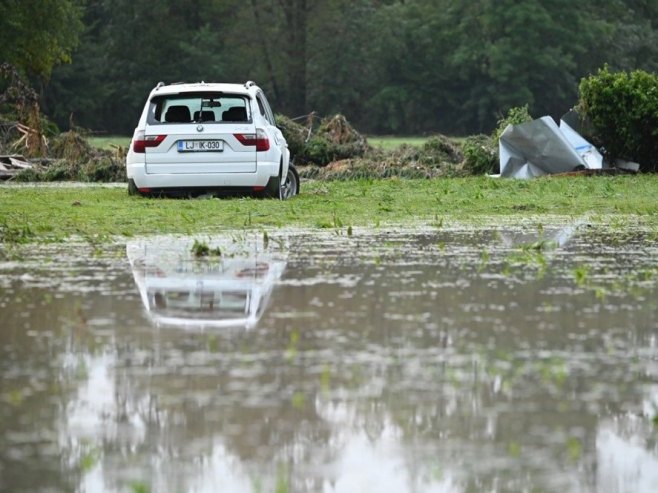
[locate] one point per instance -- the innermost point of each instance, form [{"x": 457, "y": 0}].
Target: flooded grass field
[{"x": 510, "y": 358}]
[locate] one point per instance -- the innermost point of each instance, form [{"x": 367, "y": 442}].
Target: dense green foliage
[
  {"x": 515, "y": 116},
  {"x": 404, "y": 67},
  {"x": 296, "y": 135},
  {"x": 37, "y": 35},
  {"x": 55, "y": 213},
  {"x": 481, "y": 151},
  {"x": 622, "y": 109},
  {"x": 480, "y": 154}
]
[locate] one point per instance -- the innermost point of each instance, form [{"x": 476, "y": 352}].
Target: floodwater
[{"x": 516, "y": 358}]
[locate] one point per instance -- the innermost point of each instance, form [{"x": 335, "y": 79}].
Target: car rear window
[{"x": 198, "y": 107}]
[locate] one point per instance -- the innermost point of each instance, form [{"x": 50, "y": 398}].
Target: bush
[
  {"x": 438, "y": 150},
  {"x": 61, "y": 171},
  {"x": 103, "y": 169},
  {"x": 316, "y": 151},
  {"x": 515, "y": 116},
  {"x": 481, "y": 151},
  {"x": 480, "y": 155},
  {"x": 28, "y": 175},
  {"x": 71, "y": 146},
  {"x": 623, "y": 111}
]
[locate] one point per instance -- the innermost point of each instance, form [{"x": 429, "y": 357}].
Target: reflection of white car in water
[{"x": 177, "y": 288}]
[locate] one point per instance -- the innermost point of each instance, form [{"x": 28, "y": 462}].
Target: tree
[
  {"x": 510, "y": 53},
  {"x": 411, "y": 54},
  {"x": 341, "y": 66},
  {"x": 631, "y": 41},
  {"x": 36, "y": 36},
  {"x": 295, "y": 29},
  {"x": 391, "y": 66},
  {"x": 281, "y": 31},
  {"x": 128, "y": 47}
]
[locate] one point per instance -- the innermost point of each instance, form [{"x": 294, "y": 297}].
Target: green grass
[
  {"x": 389, "y": 143},
  {"x": 40, "y": 213},
  {"x": 109, "y": 141}
]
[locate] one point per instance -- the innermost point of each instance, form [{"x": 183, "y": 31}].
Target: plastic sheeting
[{"x": 540, "y": 147}]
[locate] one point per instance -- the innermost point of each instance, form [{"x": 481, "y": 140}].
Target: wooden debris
[{"x": 11, "y": 165}]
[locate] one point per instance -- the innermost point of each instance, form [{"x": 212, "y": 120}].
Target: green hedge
[{"x": 622, "y": 108}]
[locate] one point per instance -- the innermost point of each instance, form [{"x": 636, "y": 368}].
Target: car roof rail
[
  {"x": 160, "y": 84},
  {"x": 249, "y": 84}
]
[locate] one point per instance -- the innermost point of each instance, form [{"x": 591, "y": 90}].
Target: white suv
[{"x": 197, "y": 138}]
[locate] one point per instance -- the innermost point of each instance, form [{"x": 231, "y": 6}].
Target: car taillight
[
  {"x": 141, "y": 142},
  {"x": 259, "y": 139}
]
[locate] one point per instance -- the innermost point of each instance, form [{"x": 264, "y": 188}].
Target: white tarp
[{"x": 540, "y": 147}]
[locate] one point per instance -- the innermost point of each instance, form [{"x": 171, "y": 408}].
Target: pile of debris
[
  {"x": 21, "y": 123},
  {"x": 438, "y": 156},
  {"x": 69, "y": 157},
  {"x": 334, "y": 150},
  {"x": 331, "y": 140},
  {"x": 11, "y": 165},
  {"x": 31, "y": 149}
]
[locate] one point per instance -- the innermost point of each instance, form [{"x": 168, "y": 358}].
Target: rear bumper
[{"x": 260, "y": 178}]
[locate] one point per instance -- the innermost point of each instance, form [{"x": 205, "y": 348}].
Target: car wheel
[
  {"x": 273, "y": 189},
  {"x": 132, "y": 188},
  {"x": 290, "y": 186}
]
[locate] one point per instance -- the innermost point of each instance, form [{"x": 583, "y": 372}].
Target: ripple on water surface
[{"x": 456, "y": 360}]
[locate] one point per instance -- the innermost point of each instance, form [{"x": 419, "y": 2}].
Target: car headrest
[
  {"x": 235, "y": 114},
  {"x": 178, "y": 114}
]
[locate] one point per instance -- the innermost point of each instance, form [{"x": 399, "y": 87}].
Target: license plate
[{"x": 200, "y": 145}]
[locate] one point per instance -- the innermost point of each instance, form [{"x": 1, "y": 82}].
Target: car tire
[
  {"x": 290, "y": 186},
  {"x": 132, "y": 188},
  {"x": 273, "y": 189},
  {"x": 134, "y": 191}
]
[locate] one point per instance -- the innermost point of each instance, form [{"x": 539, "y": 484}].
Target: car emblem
[{"x": 199, "y": 128}]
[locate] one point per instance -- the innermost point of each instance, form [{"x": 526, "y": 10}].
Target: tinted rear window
[{"x": 198, "y": 107}]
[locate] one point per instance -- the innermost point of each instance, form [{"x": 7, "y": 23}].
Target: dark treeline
[{"x": 407, "y": 66}]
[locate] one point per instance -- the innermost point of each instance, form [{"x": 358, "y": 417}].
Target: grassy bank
[
  {"x": 110, "y": 141},
  {"x": 389, "y": 143},
  {"x": 392, "y": 142},
  {"x": 54, "y": 213}
]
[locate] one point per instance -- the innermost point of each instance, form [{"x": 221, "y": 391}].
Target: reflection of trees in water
[
  {"x": 439, "y": 398},
  {"x": 457, "y": 370},
  {"x": 244, "y": 399},
  {"x": 37, "y": 379},
  {"x": 494, "y": 358}
]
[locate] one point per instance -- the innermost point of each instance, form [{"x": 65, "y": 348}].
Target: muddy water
[{"x": 508, "y": 359}]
